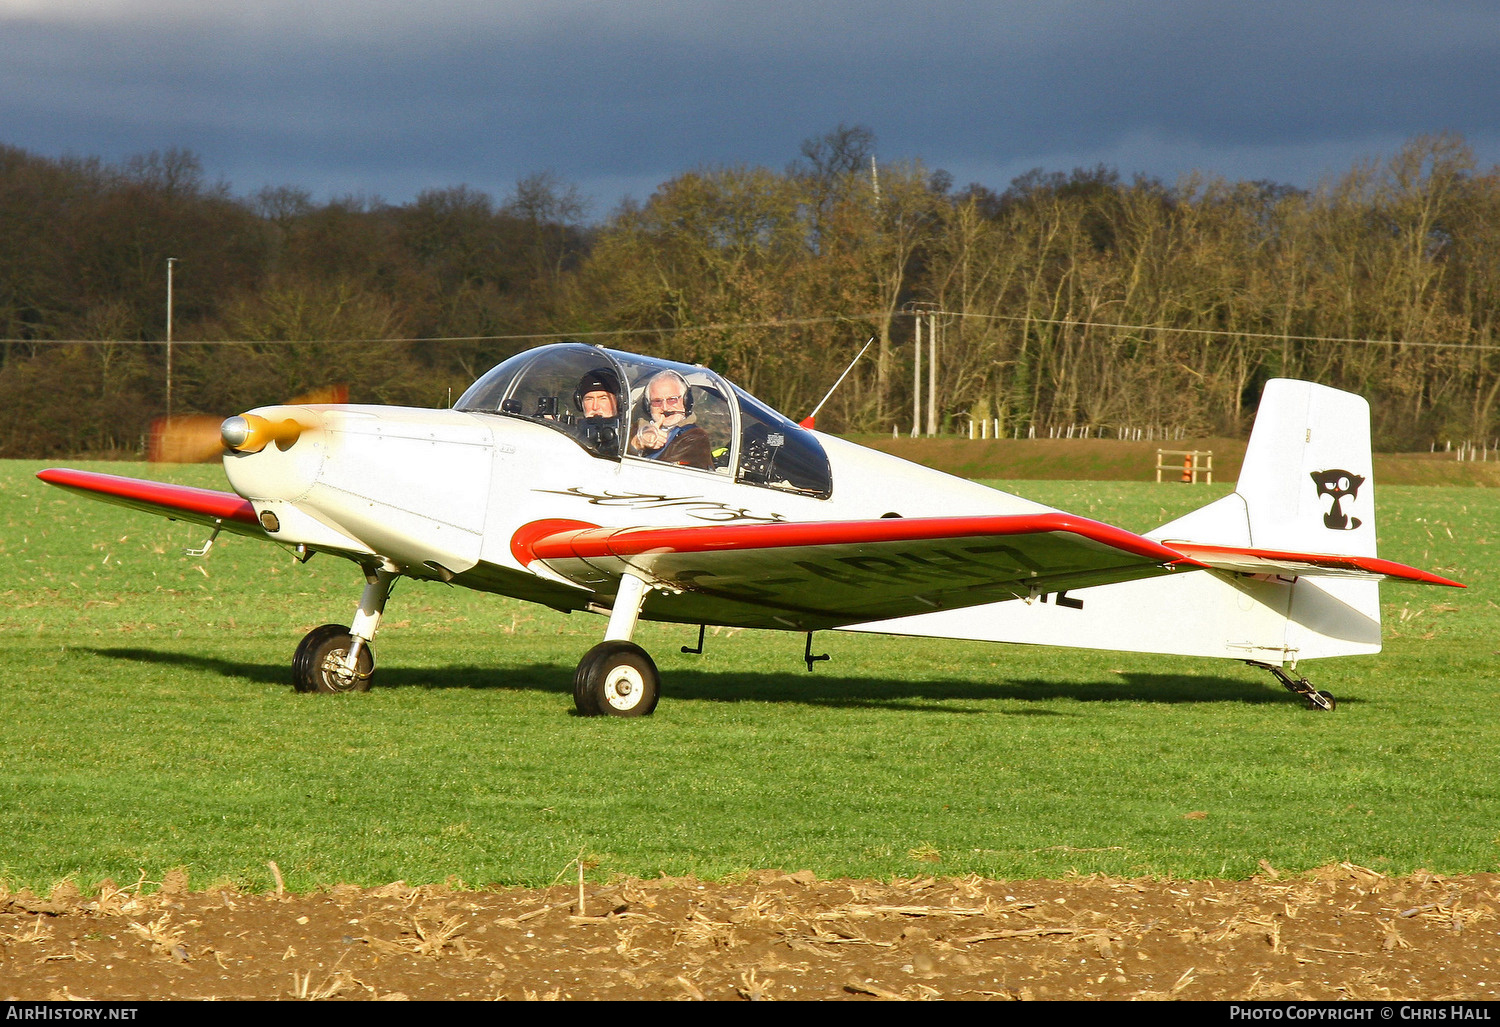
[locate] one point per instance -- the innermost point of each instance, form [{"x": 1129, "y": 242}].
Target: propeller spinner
[{"x": 195, "y": 438}]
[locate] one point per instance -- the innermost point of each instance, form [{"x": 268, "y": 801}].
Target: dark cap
[{"x": 600, "y": 379}]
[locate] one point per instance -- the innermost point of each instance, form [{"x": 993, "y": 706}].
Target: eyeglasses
[{"x": 657, "y": 404}]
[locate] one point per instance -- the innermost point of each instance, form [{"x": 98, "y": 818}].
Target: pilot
[
  {"x": 597, "y": 400},
  {"x": 668, "y": 434}
]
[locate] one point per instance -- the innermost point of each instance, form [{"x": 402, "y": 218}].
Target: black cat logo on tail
[{"x": 1336, "y": 485}]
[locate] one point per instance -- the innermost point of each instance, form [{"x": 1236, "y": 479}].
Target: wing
[
  {"x": 807, "y": 576},
  {"x": 1274, "y": 561},
  {"x": 179, "y": 502}
]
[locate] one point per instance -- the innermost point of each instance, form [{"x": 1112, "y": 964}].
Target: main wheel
[
  {"x": 583, "y": 676},
  {"x": 1321, "y": 701},
  {"x": 318, "y": 665},
  {"x": 616, "y": 679},
  {"x": 301, "y": 676}
]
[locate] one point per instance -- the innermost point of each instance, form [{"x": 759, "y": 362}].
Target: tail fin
[
  {"x": 1306, "y": 486},
  {"x": 1302, "y": 514}
]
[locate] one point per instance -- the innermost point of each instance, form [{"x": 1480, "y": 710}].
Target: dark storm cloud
[{"x": 376, "y": 98}]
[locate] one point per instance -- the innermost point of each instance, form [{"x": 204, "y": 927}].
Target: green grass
[{"x": 148, "y": 724}]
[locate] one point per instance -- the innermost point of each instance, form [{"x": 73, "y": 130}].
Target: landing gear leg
[
  {"x": 1300, "y": 685},
  {"x": 617, "y": 678},
  {"x": 335, "y": 658}
]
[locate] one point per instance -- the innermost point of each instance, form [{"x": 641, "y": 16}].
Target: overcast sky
[{"x": 385, "y": 98}]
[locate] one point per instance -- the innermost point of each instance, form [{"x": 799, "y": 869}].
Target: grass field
[
  {"x": 149, "y": 724},
  {"x": 1116, "y": 460}
]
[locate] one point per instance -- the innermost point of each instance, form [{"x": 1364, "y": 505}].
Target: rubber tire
[
  {"x": 583, "y": 699},
  {"x": 301, "y": 677},
  {"x": 595, "y": 691},
  {"x": 1329, "y": 708},
  {"x": 321, "y": 643}
]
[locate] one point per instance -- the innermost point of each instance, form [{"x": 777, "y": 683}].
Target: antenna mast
[{"x": 839, "y": 382}]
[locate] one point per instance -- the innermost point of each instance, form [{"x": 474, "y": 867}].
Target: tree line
[{"x": 1066, "y": 298}]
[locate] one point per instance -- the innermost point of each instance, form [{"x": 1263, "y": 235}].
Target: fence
[
  {"x": 1194, "y": 462},
  {"x": 993, "y": 428}
]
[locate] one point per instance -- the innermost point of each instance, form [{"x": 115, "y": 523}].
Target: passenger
[{"x": 668, "y": 434}]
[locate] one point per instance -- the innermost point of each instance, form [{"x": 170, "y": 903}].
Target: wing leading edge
[
  {"x": 180, "y": 502},
  {"x": 807, "y": 576}
]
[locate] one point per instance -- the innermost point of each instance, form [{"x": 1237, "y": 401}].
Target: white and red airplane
[{"x": 590, "y": 479}]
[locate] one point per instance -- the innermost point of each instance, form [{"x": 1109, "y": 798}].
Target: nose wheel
[
  {"x": 335, "y": 658},
  {"x": 321, "y": 662},
  {"x": 616, "y": 678}
]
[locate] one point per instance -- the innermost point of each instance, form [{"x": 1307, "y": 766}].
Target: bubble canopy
[{"x": 745, "y": 438}]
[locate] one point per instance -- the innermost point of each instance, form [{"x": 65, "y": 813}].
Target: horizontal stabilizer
[
  {"x": 1245, "y": 560},
  {"x": 1293, "y": 551}
]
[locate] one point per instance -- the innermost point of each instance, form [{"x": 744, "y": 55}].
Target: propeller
[{"x": 197, "y": 438}]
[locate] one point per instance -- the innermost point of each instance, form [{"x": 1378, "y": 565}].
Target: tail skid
[{"x": 1293, "y": 550}]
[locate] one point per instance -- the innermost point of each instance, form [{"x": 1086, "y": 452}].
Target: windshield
[
  {"x": 573, "y": 388},
  {"x": 618, "y": 404}
]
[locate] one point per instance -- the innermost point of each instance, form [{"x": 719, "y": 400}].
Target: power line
[
  {"x": 523, "y": 337},
  {"x": 1277, "y": 336},
  {"x": 787, "y": 323}
]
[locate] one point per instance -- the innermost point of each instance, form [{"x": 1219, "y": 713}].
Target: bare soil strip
[{"x": 1342, "y": 932}]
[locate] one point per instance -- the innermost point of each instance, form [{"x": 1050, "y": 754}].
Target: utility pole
[
  {"x": 917, "y": 310},
  {"x": 932, "y": 372},
  {"x": 170, "y": 262},
  {"x": 916, "y": 389}
]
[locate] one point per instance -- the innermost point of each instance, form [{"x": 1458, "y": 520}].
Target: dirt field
[{"x": 1343, "y": 932}]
